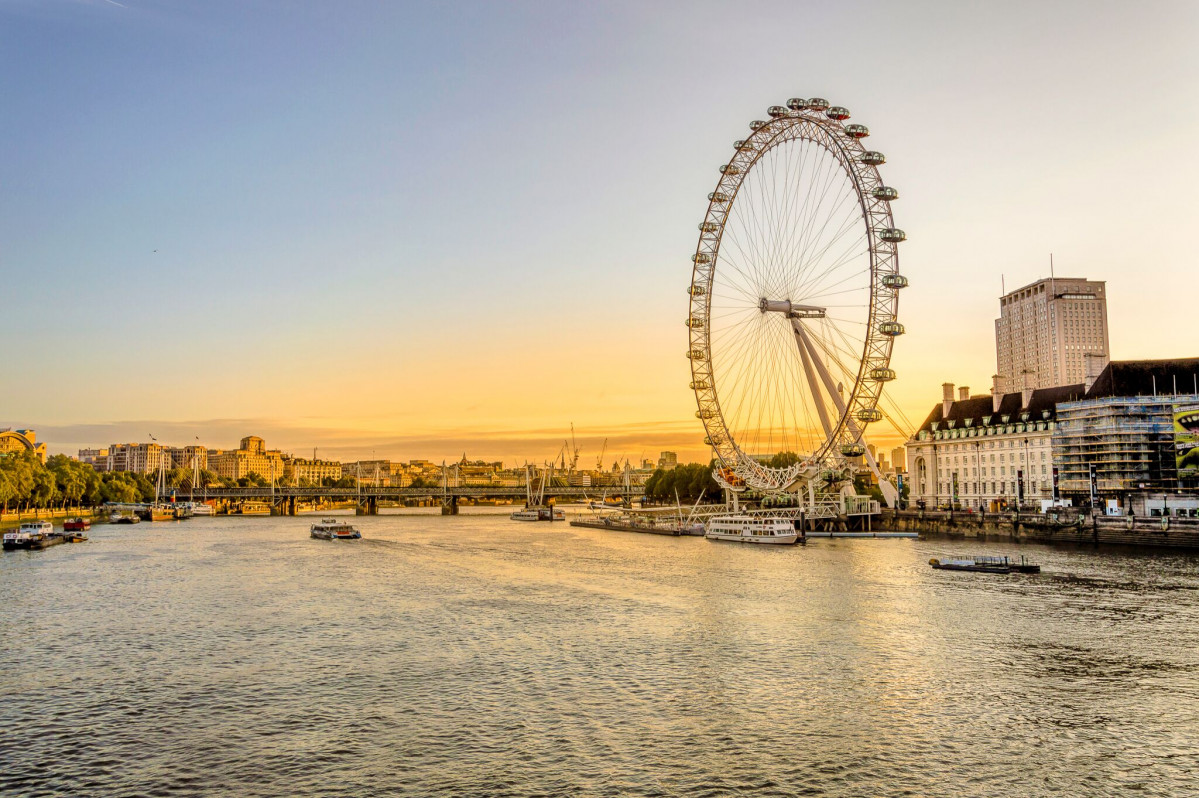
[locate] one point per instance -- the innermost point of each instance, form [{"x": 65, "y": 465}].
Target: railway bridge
[{"x": 284, "y": 500}]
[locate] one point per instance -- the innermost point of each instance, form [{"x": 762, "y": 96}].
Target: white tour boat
[
  {"x": 332, "y": 529},
  {"x": 751, "y": 529},
  {"x": 542, "y": 513}
]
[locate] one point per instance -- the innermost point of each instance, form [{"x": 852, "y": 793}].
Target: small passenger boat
[
  {"x": 79, "y": 524},
  {"x": 332, "y": 529},
  {"x": 124, "y": 518},
  {"x": 751, "y": 529}
]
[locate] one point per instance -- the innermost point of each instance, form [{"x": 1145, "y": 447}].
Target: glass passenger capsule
[
  {"x": 695, "y": 354},
  {"x": 892, "y": 234},
  {"x": 730, "y": 169},
  {"x": 882, "y": 374},
  {"x": 697, "y": 290},
  {"x": 873, "y": 158},
  {"x": 868, "y": 415},
  {"x": 742, "y": 144},
  {"x": 717, "y": 196},
  {"x": 817, "y": 104},
  {"x": 895, "y": 281},
  {"x": 891, "y": 328},
  {"x": 885, "y": 193},
  {"x": 699, "y": 385},
  {"x": 708, "y": 227},
  {"x": 776, "y": 111},
  {"x": 757, "y": 123},
  {"x": 701, "y": 257},
  {"x": 857, "y": 131},
  {"x": 705, "y": 413},
  {"x": 837, "y": 112},
  {"x": 797, "y": 103},
  {"x": 695, "y": 323},
  {"x": 853, "y": 450}
]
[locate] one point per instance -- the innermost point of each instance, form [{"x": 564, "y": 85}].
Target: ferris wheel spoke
[
  {"x": 784, "y": 223},
  {"x": 741, "y": 356},
  {"x": 790, "y": 225},
  {"x": 850, "y": 219},
  {"x": 819, "y": 291},
  {"x": 815, "y": 255},
  {"x": 837, "y": 275},
  {"x": 806, "y": 212},
  {"x": 750, "y": 256},
  {"x": 820, "y": 192},
  {"x": 834, "y": 354}
]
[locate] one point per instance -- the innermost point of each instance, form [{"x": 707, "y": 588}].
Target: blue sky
[{"x": 401, "y": 222}]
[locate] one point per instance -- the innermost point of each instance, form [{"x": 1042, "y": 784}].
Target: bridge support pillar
[
  {"x": 291, "y": 505},
  {"x": 370, "y": 506},
  {"x": 449, "y": 505}
]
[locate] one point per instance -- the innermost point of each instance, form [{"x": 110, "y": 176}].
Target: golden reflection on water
[{"x": 475, "y": 655}]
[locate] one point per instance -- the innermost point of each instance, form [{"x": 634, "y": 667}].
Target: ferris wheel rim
[{"x": 816, "y": 126}]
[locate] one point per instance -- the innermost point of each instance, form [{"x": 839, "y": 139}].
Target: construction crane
[
  {"x": 599, "y": 461},
  {"x": 574, "y": 448}
]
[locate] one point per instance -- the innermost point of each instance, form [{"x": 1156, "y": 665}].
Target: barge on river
[{"x": 987, "y": 565}]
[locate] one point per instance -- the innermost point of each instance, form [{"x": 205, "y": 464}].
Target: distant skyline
[{"x": 423, "y": 229}]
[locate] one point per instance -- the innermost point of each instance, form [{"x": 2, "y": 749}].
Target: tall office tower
[{"x": 1052, "y": 332}]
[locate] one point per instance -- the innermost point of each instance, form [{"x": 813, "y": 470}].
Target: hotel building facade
[{"x": 1052, "y": 332}]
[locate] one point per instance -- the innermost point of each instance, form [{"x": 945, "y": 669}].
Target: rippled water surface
[{"x": 479, "y": 656}]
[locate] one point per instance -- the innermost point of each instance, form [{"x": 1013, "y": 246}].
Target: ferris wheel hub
[{"x": 790, "y": 309}]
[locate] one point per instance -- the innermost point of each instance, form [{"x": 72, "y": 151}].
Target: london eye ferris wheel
[{"x": 794, "y": 298}]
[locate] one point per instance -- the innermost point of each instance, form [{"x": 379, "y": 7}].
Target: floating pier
[{"x": 626, "y": 526}]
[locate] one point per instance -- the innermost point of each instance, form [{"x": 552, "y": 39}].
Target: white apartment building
[
  {"x": 1052, "y": 332},
  {"x": 142, "y": 457},
  {"x": 986, "y": 452},
  {"x": 315, "y": 471}
]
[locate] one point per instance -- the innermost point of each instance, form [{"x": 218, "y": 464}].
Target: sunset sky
[{"x": 418, "y": 229}]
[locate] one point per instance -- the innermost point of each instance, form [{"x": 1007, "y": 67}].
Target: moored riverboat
[
  {"x": 157, "y": 512},
  {"x": 539, "y": 513},
  {"x": 31, "y": 535},
  {"x": 332, "y": 529},
  {"x": 751, "y": 529},
  {"x": 47, "y": 540},
  {"x": 123, "y": 518},
  {"x": 79, "y": 524}
]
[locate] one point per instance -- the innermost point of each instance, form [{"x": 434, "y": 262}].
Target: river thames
[{"x": 474, "y": 655}]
